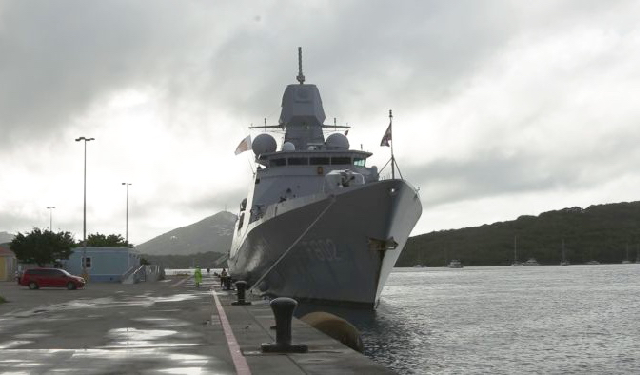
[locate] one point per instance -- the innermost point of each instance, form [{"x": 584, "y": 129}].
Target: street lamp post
[
  {"x": 84, "y": 227},
  {"x": 50, "y": 215},
  {"x": 127, "y": 185}
]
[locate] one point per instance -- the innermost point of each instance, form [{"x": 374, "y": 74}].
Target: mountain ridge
[
  {"x": 599, "y": 232},
  {"x": 211, "y": 234}
]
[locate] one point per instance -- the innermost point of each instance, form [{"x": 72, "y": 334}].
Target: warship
[{"x": 318, "y": 225}]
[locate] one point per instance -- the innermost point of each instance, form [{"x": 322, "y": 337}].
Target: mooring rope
[{"x": 332, "y": 201}]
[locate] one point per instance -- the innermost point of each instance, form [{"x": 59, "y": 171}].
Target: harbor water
[{"x": 507, "y": 320}]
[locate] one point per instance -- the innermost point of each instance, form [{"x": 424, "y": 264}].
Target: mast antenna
[
  {"x": 300, "y": 76},
  {"x": 393, "y": 159}
]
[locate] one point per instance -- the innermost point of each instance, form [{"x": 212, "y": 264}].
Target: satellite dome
[
  {"x": 337, "y": 141},
  {"x": 263, "y": 143},
  {"x": 288, "y": 146}
]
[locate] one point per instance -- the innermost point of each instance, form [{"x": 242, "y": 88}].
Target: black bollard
[
  {"x": 242, "y": 287},
  {"x": 283, "y": 311}
]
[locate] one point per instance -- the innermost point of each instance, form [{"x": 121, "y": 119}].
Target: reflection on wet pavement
[
  {"x": 130, "y": 336},
  {"x": 145, "y": 300},
  {"x": 157, "y": 328},
  {"x": 163, "y": 322},
  {"x": 13, "y": 344},
  {"x": 100, "y": 361}
]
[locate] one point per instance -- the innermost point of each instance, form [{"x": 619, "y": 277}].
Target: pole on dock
[{"x": 283, "y": 308}]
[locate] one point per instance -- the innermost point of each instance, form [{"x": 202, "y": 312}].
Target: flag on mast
[
  {"x": 387, "y": 136},
  {"x": 244, "y": 145}
]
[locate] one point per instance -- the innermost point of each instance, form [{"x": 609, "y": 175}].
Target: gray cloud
[
  {"x": 59, "y": 58},
  {"x": 60, "y": 61},
  {"x": 494, "y": 172}
]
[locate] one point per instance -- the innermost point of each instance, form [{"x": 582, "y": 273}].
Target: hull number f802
[{"x": 322, "y": 250}]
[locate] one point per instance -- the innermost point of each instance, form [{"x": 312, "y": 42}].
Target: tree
[
  {"x": 42, "y": 247},
  {"x": 101, "y": 240}
]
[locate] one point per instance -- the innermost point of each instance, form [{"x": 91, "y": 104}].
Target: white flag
[{"x": 244, "y": 145}]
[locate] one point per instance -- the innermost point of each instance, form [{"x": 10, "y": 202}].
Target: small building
[
  {"x": 8, "y": 263},
  {"x": 103, "y": 264}
]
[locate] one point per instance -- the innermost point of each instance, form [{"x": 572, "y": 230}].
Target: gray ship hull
[{"x": 337, "y": 248}]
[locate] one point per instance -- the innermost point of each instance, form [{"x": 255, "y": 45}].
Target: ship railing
[
  {"x": 257, "y": 213},
  {"x": 383, "y": 177}
]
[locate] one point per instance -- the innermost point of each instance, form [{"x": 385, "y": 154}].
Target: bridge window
[
  {"x": 297, "y": 161},
  {"x": 341, "y": 161},
  {"x": 358, "y": 162},
  {"x": 319, "y": 161},
  {"x": 278, "y": 162}
]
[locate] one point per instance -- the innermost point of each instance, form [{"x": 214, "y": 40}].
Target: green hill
[
  {"x": 600, "y": 233},
  {"x": 212, "y": 234}
]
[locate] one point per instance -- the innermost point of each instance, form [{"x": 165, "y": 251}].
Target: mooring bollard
[
  {"x": 242, "y": 287},
  {"x": 283, "y": 308}
]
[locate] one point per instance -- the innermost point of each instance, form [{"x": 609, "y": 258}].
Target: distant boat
[
  {"x": 455, "y": 264},
  {"x": 592, "y": 263},
  {"x": 515, "y": 252},
  {"x": 564, "y": 261},
  {"x": 418, "y": 266},
  {"x": 531, "y": 262}
]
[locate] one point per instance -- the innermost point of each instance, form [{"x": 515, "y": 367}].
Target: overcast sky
[{"x": 501, "y": 108}]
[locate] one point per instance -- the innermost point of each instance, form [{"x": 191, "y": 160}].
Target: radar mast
[{"x": 300, "y": 76}]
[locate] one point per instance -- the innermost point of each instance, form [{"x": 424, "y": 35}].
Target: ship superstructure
[{"x": 317, "y": 223}]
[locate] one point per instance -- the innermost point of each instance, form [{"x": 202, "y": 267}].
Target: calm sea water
[{"x": 507, "y": 320}]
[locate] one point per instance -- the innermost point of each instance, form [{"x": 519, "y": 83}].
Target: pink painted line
[{"x": 240, "y": 363}]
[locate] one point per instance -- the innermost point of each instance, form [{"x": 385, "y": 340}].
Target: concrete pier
[{"x": 167, "y": 327}]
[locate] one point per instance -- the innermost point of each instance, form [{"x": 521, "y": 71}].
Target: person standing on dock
[
  {"x": 198, "y": 276},
  {"x": 223, "y": 276}
]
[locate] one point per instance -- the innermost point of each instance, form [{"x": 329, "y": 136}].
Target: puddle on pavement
[
  {"x": 14, "y": 344},
  {"x": 32, "y": 335},
  {"x": 184, "y": 370},
  {"x": 69, "y": 361},
  {"x": 144, "y": 300},
  {"x": 130, "y": 336},
  {"x": 163, "y": 322},
  {"x": 175, "y": 298}
]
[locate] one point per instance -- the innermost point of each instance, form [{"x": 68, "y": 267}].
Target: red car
[{"x": 50, "y": 277}]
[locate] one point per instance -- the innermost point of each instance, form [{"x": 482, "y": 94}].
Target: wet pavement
[{"x": 167, "y": 327}]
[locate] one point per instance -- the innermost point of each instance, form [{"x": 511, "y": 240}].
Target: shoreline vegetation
[{"x": 608, "y": 234}]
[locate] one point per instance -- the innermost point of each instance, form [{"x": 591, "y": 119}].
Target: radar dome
[
  {"x": 263, "y": 143},
  {"x": 288, "y": 146},
  {"x": 337, "y": 141}
]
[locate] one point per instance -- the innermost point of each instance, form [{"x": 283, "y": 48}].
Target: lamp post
[
  {"x": 127, "y": 185},
  {"x": 50, "y": 215},
  {"x": 84, "y": 227}
]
